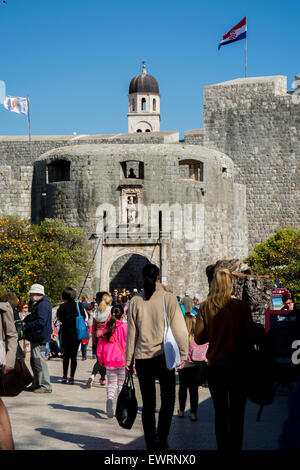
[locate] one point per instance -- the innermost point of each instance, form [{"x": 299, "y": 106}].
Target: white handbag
[{"x": 171, "y": 349}]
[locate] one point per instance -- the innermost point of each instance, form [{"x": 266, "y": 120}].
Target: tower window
[
  {"x": 139, "y": 130},
  {"x": 143, "y": 104},
  {"x": 59, "y": 170},
  {"x": 147, "y": 130},
  {"x": 191, "y": 169},
  {"x": 154, "y": 105}
]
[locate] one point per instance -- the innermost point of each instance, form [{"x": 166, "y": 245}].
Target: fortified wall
[
  {"x": 17, "y": 160},
  {"x": 256, "y": 122},
  {"x": 82, "y": 183}
]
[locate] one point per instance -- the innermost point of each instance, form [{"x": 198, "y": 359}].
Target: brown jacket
[
  {"x": 146, "y": 324},
  {"x": 228, "y": 332},
  {"x": 8, "y": 333}
]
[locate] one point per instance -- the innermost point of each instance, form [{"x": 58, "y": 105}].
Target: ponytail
[
  {"x": 110, "y": 328},
  {"x": 116, "y": 314},
  {"x": 150, "y": 275}
]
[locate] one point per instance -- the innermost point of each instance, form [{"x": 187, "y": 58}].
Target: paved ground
[{"x": 73, "y": 418}]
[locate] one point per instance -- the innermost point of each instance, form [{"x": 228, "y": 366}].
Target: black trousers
[
  {"x": 185, "y": 385},
  {"x": 148, "y": 370},
  {"x": 97, "y": 366},
  {"x": 228, "y": 392},
  {"x": 70, "y": 354}
]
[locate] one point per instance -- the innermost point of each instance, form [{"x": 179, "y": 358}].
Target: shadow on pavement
[
  {"x": 76, "y": 409},
  {"x": 91, "y": 443}
]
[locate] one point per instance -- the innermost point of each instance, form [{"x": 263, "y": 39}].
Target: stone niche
[{"x": 255, "y": 290}]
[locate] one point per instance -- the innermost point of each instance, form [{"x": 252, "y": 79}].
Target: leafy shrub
[
  {"x": 51, "y": 254},
  {"x": 279, "y": 257}
]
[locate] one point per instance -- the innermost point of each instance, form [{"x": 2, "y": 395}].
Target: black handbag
[
  {"x": 126, "y": 410},
  {"x": 260, "y": 365},
  {"x": 20, "y": 329},
  {"x": 16, "y": 380}
]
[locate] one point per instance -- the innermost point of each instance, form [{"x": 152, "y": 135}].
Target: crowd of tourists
[{"x": 126, "y": 329}]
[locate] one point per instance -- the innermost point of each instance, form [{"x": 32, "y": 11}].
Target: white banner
[{"x": 16, "y": 104}]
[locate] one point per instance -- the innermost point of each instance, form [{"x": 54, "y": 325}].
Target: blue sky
[{"x": 75, "y": 58}]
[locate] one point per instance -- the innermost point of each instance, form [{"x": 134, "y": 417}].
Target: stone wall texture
[
  {"x": 257, "y": 123},
  {"x": 95, "y": 186}
]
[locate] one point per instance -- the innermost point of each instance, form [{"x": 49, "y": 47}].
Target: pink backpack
[{"x": 197, "y": 352}]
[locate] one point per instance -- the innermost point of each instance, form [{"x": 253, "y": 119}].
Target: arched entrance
[{"x": 126, "y": 272}]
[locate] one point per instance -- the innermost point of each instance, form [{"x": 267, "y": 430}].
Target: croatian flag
[{"x": 236, "y": 33}]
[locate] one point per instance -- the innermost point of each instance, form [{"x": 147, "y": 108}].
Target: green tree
[
  {"x": 51, "y": 254},
  {"x": 279, "y": 257}
]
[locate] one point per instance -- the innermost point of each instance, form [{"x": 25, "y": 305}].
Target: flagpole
[
  {"x": 29, "y": 127},
  {"x": 246, "y": 57}
]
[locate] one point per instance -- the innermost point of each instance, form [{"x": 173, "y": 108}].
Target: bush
[
  {"x": 51, "y": 254},
  {"x": 279, "y": 257}
]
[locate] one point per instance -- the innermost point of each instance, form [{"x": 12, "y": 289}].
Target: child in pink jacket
[{"x": 111, "y": 354}]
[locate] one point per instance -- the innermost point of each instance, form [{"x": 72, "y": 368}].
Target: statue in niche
[
  {"x": 131, "y": 173},
  {"x": 131, "y": 209}
]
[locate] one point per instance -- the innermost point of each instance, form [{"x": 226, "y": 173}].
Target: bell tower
[{"x": 143, "y": 103}]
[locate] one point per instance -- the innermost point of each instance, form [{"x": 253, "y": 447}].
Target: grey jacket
[{"x": 8, "y": 333}]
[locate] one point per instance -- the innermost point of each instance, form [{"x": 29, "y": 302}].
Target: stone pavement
[{"x": 73, "y": 418}]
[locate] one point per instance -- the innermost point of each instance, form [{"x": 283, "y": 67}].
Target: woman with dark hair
[
  {"x": 226, "y": 324},
  {"x": 66, "y": 315},
  {"x": 145, "y": 344},
  {"x": 111, "y": 355}
]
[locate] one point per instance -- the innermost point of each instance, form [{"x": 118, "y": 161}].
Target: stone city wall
[
  {"x": 96, "y": 180},
  {"x": 257, "y": 123},
  {"x": 15, "y": 195}
]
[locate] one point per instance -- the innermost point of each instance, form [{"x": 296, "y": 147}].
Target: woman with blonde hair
[
  {"x": 102, "y": 316},
  {"x": 226, "y": 324}
]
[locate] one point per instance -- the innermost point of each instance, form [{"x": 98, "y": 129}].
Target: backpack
[
  {"x": 260, "y": 374},
  {"x": 198, "y": 353}
]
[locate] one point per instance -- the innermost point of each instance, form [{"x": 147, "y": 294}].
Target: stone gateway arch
[{"x": 126, "y": 272}]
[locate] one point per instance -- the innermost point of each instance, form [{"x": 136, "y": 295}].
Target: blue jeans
[
  {"x": 84, "y": 350},
  {"x": 47, "y": 350}
]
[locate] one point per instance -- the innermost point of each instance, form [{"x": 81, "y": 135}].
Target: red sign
[{"x": 280, "y": 292}]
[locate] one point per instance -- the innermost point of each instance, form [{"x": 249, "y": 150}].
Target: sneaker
[
  {"x": 89, "y": 383},
  {"x": 42, "y": 390},
  {"x": 180, "y": 413},
  {"x": 193, "y": 417},
  {"x": 102, "y": 382},
  {"x": 71, "y": 380},
  {"x": 30, "y": 389},
  {"x": 109, "y": 408},
  {"x": 64, "y": 379}
]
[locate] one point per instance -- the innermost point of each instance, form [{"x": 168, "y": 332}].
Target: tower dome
[
  {"x": 143, "y": 83},
  {"x": 143, "y": 103}
]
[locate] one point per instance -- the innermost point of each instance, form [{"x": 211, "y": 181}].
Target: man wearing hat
[{"x": 38, "y": 329}]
